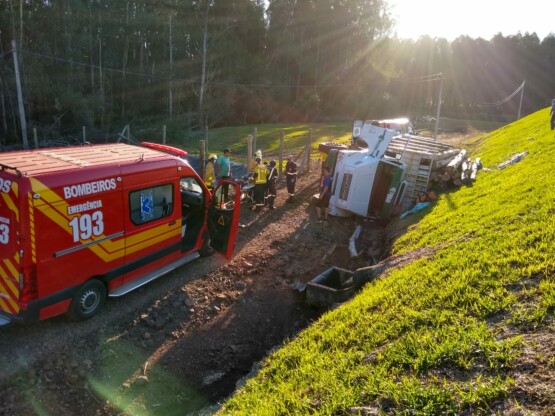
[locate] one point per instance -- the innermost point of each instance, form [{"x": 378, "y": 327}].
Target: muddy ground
[{"x": 185, "y": 342}]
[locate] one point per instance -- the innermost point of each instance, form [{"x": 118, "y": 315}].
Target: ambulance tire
[{"x": 88, "y": 301}]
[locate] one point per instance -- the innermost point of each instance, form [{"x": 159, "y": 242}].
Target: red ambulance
[{"x": 78, "y": 224}]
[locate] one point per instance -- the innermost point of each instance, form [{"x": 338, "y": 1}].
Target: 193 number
[
  {"x": 87, "y": 225},
  {"x": 4, "y": 234}
]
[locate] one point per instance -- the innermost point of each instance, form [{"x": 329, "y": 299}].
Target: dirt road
[{"x": 183, "y": 342}]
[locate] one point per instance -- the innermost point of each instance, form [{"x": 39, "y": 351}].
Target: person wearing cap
[
  {"x": 291, "y": 177},
  {"x": 223, "y": 166},
  {"x": 209, "y": 172},
  {"x": 271, "y": 179}
]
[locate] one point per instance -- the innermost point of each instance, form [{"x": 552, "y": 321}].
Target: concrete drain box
[{"x": 335, "y": 285}]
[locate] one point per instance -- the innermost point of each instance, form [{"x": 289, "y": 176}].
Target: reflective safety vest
[
  {"x": 261, "y": 173},
  {"x": 209, "y": 175}
]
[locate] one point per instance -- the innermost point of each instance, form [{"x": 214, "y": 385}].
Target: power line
[
  {"x": 424, "y": 78},
  {"x": 500, "y": 102},
  {"x": 427, "y": 78},
  {"x": 164, "y": 78}
]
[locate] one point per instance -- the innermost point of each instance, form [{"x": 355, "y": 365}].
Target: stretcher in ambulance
[{"x": 80, "y": 224}]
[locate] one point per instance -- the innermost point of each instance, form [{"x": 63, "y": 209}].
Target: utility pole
[
  {"x": 20, "y": 98},
  {"x": 439, "y": 104},
  {"x": 170, "y": 98}
]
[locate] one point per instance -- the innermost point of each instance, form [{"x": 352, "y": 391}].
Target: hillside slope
[{"x": 465, "y": 328}]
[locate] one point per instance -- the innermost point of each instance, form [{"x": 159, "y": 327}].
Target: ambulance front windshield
[{"x": 190, "y": 184}]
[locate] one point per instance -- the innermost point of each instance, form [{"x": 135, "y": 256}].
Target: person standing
[
  {"x": 324, "y": 199},
  {"x": 260, "y": 173},
  {"x": 210, "y": 173},
  {"x": 254, "y": 163},
  {"x": 291, "y": 177},
  {"x": 223, "y": 166},
  {"x": 552, "y": 113},
  {"x": 271, "y": 179}
]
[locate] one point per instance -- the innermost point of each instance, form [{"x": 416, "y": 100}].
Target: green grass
[
  {"x": 267, "y": 138},
  {"x": 422, "y": 339}
]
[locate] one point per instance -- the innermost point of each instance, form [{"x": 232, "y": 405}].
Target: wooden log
[
  {"x": 446, "y": 177},
  {"x": 456, "y": 162},
  {"x": 474, "y": 170},
  {"x": 446, "y": 158}
]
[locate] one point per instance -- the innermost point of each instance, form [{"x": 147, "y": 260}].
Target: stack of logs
[{"x": 454, "y": 171}]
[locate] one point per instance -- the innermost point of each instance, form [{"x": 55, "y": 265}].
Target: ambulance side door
[
  {"x": 153, "y": 231},
  {"x": 223, "y": 217}
]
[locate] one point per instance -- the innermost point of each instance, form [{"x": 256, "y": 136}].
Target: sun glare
[{"x": 474, "y": 18}]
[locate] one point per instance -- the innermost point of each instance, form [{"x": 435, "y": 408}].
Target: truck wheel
[
  {"x": 327, "y": 146},
  {"x": 88, "y": 300}
]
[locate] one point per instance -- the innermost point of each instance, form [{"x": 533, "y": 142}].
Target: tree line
[{"x": 205, "y": 63}]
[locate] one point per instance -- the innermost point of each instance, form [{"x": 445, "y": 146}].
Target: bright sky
[{"x": 475, "y": 18}]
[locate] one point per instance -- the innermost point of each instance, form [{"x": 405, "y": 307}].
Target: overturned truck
[{"x": 383, "y": 172}]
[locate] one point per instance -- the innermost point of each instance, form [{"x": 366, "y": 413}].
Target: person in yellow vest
[
  {"x": 260, "y": 173},
  {"x": 209, "y": 173},
  {"x": 254, "y": 163}
]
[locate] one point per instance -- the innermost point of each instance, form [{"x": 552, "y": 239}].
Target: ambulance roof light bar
[{"x": 165, "y": 148}]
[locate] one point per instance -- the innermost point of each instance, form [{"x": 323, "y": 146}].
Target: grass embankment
[{"x": 432, "y": 337}]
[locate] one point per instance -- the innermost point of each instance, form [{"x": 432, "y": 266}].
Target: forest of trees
[{"x": 207, "y": 63}]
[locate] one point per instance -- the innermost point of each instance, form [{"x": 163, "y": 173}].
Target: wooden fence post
[
  {"x": 250, "y": 140},
  {"x": 201, "y": 158},
  {"x": 84, "y": 130},
  {"x": 281, "y": 146},
  {"x": 164, "y": 134},
  {"x": 36, "y": 138},
  {"x": 308, "y": 150}
]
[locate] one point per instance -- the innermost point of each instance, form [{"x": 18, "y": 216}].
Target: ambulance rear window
[{"x": 149, "y": 204}]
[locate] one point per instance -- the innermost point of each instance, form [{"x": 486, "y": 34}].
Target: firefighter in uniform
[
  {"x": 254, "y": 163},
  {"x": 291, "y": 177},
  {"x": 209, "y": 173},
  {"x": 272, "y": 179},
  {"x": 259, "y": 186}
]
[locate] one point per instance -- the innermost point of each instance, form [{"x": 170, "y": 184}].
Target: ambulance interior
[{"x": 192, "y": 211}]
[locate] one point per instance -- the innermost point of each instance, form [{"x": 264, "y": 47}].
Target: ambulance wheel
[{"x": 88, "y": 300}]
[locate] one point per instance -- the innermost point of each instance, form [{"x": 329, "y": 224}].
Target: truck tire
[
  {"x": 88, "y": 300},
  {"x": 326, "y": 147}
]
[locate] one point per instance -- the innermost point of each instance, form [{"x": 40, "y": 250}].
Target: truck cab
[
  {"x": 400, "y": 126},
  {"x": 366, "y": 182}
]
